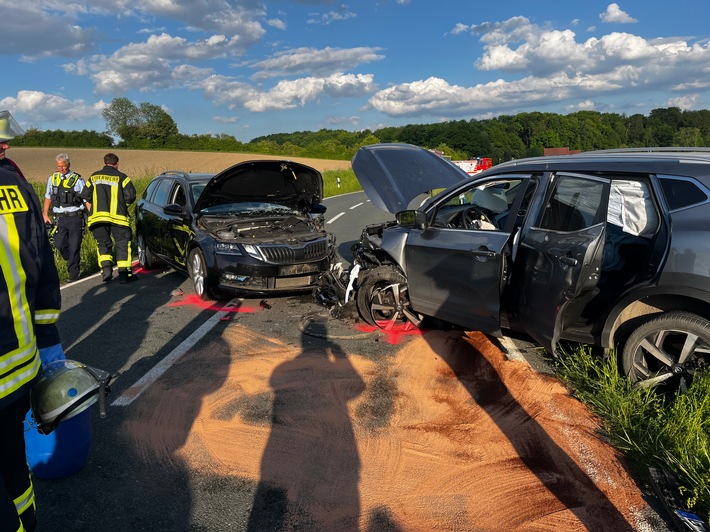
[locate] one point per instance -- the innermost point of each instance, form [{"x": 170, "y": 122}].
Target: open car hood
[
  {"x": 392, "y": 175},
  {"x": 275, "y": 181}
]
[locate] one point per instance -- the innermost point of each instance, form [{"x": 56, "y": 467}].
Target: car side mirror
[
  {"x": 411, "y": 219},
  {"x": 318, "y": 208},
  {"x": 173, "y": 208}
]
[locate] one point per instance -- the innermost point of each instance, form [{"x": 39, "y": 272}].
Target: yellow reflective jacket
[
  {"x": 110, "y": 192},
  {"x": 29, "y": 287}
]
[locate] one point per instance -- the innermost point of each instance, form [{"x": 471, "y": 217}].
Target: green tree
[
  {"x": 688, "y": 136},
  {"x": 139, "y": 126},
  {"x": 120, "y": 114}
]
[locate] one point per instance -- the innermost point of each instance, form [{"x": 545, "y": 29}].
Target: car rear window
[{"x": 681, "y": 192}]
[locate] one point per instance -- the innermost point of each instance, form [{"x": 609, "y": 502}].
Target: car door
[
  {"x": 177, "y": 226},
  {"x": 560, "y": 254},
  {"x": 456, "y": 269},
  {"x": 150, "y": 214}
]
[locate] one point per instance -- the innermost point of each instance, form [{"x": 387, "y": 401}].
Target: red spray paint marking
[
  {"x": 195, "y": 301},
  {"x": 393, "y": 333}
]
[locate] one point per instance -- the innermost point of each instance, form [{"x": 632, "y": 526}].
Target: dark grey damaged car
[{"x": 604, "y": 248}]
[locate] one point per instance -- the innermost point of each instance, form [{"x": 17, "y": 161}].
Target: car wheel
[
  {"x": 667, "y": 351},
  {"x": 145, "y": 256},
  {"x": 197, "y": 268},
  {"x": 383, "y": 300}
]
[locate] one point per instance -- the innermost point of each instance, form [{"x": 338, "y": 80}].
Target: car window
[
  {"x": 681, "y": 193},
  {"x": 150, "y": 189},
  {"x": 575, "y": 204},
  {"x": 250, "y": 208},
  {"x": 196, "y": 191},
  {"x": 179, "y": 196},
  {"x": 163, "y": 192},
  {"x": 479, "y": 205}
]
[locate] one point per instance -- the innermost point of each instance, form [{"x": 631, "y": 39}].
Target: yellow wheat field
[{"x": 38, "y": 163}]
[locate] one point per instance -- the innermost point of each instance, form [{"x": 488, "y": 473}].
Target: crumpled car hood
[
  {"x": 392, "y": 175},
  {"x": 284, "y": 182}
]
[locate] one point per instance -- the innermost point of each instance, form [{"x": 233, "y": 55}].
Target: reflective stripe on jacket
[
  {"x": 110, "y": 192},
  {"x": 29, "y": 287}
]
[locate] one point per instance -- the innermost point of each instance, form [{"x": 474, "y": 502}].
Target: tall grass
[
  {"x": 650, "y": 429},
  {"x": 337, "y": 182}
]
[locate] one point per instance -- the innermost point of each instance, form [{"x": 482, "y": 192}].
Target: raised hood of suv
[
  {"x": 392, "y": 175},
  {"x": 284, "y": 182}
]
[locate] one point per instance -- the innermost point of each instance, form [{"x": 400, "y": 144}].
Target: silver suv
[{"x": 607, "y": 248}]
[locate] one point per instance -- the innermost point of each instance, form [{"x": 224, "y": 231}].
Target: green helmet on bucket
[{"x": 66, "y": 388}]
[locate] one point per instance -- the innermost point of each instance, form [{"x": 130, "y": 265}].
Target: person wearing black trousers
[
  {"x": 108, "y": 193},
  {"x": 63, "y": 195}
]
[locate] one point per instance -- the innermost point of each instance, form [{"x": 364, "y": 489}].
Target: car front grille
[{"x": 282, "y": 254}]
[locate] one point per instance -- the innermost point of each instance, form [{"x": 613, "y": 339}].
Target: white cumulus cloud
[{"x": 616, "y": 15}]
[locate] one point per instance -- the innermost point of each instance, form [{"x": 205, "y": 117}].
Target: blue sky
[{"x": 249, "y": 68}]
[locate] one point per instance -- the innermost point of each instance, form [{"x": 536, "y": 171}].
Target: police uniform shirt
[{"x": 78, "y": 187}]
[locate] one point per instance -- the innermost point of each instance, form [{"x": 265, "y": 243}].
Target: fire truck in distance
[{"x": 474, "y": 166}]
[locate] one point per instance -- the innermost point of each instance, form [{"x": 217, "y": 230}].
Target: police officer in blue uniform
[
  {"x": 29, "y": 308},
  {"x": 63, "y": 195}
]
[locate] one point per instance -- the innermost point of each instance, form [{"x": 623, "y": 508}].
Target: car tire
[
  {"x": 197, "y": 267},
  {"x": 383, "y": 300},
  {"x": 666, "y": 351},
  {"x": 145, "y": 256}
]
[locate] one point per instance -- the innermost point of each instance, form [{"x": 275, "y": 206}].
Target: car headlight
[
  {"x": 228, "y": 248},
  {"x": 253, "y": 251}
]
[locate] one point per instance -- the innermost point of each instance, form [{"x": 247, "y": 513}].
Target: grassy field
[{"x": 38, "y": 163}]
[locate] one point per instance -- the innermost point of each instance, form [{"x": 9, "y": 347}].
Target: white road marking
[
  {"x": 356, "y": 206},
  {"x": 335, "y": 218},
  {"x": 132, "y": 393}
]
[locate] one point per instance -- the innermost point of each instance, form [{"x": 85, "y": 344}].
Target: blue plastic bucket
[{"x": 61, "y": 453}]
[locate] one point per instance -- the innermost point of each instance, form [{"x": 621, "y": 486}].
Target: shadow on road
[
  {"x": 310, "y": 468},
  {"x": 135, "y": 478}
]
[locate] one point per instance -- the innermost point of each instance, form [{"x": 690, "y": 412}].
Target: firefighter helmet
[
  {"x": 9, "y": 129},
  {"x": 65, "y": 389}
]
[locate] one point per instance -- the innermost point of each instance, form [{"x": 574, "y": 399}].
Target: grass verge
[{"x": 651, "y": 430}]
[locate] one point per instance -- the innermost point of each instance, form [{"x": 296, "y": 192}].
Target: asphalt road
[{"x": 138, "y": 332}]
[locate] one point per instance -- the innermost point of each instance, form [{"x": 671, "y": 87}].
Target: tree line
[{"x": 506, "y": 137}]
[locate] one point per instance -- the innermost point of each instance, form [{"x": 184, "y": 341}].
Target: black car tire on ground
[
  {"x": 666, "y": 351},
  {"x": 197, "y": 268},
  {"x": 383, "y": 301},
  {"x": 146, "y": 259}
]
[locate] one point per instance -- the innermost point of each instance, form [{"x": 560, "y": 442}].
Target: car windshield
[
  {"x": 196, "y": 189},
  {"x": 249, "y": 208}
]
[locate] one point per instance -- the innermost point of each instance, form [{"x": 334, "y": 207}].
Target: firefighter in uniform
[
  {"x": 63, "y": 189},
  {"x": 108, "y": 193},
  {"x": 29, "y": 308}
]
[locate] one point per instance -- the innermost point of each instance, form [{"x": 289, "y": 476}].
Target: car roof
[
  {"x": 693, "y": 162},
  {"x": 187, "y": 176}
]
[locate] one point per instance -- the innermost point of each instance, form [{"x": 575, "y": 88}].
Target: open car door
[
  {"x": 457, "y": 266},
  {"x": 560, "y": 256}
]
